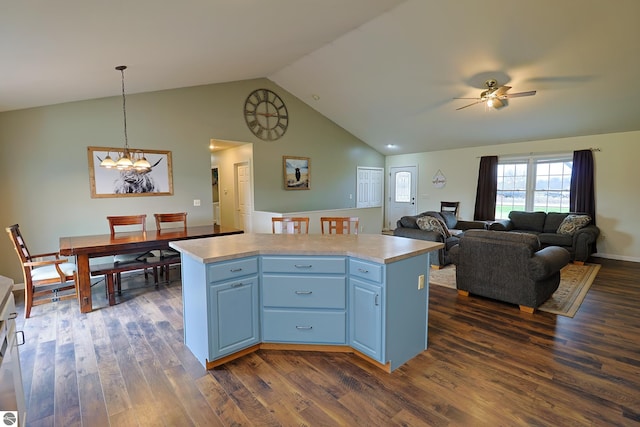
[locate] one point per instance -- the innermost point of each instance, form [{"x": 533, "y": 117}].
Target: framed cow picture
[{"x": 156, "y": 180}]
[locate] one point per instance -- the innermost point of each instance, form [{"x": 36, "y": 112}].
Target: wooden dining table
[{"x": 86, "y": 247}]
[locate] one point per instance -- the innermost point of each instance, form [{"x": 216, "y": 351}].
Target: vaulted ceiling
[{"x": 385, "y": 70}]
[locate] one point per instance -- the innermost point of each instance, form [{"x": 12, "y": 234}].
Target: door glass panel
[{"x": 403, "y": 187}]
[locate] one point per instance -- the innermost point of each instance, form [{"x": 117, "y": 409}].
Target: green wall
[{"x": 44, "y": 169}]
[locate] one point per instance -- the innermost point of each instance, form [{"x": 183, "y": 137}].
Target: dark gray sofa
[
  {"x": 407, "y": 227},
  {"x": 507, "y": 266},
  {"x": 544, "y": 225}
]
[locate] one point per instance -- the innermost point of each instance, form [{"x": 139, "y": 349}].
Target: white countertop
[{"x": 373, "y": 247}]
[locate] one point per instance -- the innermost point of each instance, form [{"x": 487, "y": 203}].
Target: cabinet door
[
  {"x": 365, "y": 318},
  {"x": 233, "y": 316}
]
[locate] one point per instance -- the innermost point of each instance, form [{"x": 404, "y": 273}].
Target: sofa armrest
[
  {"x": 501, "y": 225},
  {"x": 588, "y": 234},
  {"x": 470, "y": 225},
  {"x": 547, "y": 261},
  {"x": 454, "y": 254}
]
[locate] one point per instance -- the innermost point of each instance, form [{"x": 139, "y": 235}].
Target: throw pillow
[
  {"x": 431, "y": 223},
  {"x": 573, "y": 223}
]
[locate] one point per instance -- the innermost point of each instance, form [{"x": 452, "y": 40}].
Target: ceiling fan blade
[
  {"x": 473, "y": 103},
  {"x": 502, "y": 90},
  {"x": 519, "y": 94},
  {"x": 468, "y": 98}
]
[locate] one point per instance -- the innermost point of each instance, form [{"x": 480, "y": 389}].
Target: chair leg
[
  {"x": 526, "y": 309},
  {"x": 463, "y": 293},
  {"x": 28, "y": 300},
  {"x": 119, "y": 283}
]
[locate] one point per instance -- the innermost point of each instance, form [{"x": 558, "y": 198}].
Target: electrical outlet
[
  {"x": 421, "y": 281},
  {"x": 196, "y": 202}
]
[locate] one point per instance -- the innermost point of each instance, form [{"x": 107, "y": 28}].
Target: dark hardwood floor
[{"x": 487, "y": 364}]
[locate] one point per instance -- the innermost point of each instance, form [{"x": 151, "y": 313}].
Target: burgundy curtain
[
  {"x": 582, "y": 192},
  {"x": 487, "y": 189}
]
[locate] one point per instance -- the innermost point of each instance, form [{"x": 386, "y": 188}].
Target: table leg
[
  {"x": 110, "y": 290},
  {"x": 84, "y": 283}
]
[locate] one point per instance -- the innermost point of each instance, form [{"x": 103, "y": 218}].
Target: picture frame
[
  {"x": 104, "y": 183},
  {"x": 296, "y": 173}
]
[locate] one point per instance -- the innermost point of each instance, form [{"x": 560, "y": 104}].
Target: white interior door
[
  {"x": 402, "y": 193},
  {"x": 244, "y": 199}
]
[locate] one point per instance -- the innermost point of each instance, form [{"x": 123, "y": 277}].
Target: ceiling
[{"x": 385, "y": 70}]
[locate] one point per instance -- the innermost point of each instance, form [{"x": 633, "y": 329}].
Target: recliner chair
[{"x": 508, "y": 267}]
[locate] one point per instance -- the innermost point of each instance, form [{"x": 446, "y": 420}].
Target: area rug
[{"x": 575, "y": 281}]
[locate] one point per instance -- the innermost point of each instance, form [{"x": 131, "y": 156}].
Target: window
[{"x": 533, "y": 184}]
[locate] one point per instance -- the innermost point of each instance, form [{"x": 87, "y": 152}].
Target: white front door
[
  {"x": 402, "y": 193},
  {"x": 244, "y": 202}
]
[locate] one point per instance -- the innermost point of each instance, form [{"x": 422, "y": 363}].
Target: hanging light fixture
[{"x": 127, "y": 160}]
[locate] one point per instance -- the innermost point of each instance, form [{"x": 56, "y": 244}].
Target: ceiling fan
[{"x": 495, "y": 95}]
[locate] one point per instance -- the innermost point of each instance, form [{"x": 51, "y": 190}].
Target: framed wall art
[
  {"x": 154, "y": 181},
  {"x": 297, "y": 172}
]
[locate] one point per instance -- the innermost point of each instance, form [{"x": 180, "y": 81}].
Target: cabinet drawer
[
  {"x": 366, "y": 270},
  {"x": 304, "y": 291},
  {"x": 297, "y": 326},
  {"x": 230, "y": 269},
  {"x": 328, "y": 265}
]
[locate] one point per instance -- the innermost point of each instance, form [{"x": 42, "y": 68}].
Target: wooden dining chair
[
  {"x": 339, "y": 224},
  {"x": 172, "y": 256},
  {"x": 290, "y": 225},
  {"x": 49, "y": 279},
  {"x": 129, "y": 223},
  {"x": 450, "y": 207}
]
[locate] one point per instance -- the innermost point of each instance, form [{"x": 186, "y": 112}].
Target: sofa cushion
[
  {"x": 553, "y": 221},
  {"x": 449, "y": 219},
  {"x": 409, "y": 222},
  {"x": 530, "y": 221},
  {"x": 431, "y": 223},
  {"x": 573, "y": 223}
]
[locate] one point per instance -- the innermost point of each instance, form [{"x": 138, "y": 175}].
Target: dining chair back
[
  {"x": 290, "y": 225},
  {"x": 164, "y": 218},
  {"x": 171, "y": 256},
  {"x": 450, "y": 207},
  {"x": 339, "y": 224},
  {"x": 127, "y": 220},
  {"x": 130, "y": 221},
  {"x": 46, "y": 280}
]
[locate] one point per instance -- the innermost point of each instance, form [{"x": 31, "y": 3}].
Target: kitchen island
[{"x": 366, "y": 294}]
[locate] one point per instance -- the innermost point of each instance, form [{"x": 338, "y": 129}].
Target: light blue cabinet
[
  {"x": 365, "y": 318},
  {"x": 388, "y": 309},
  {"x": 304, "y": 300},
  {"x": 233, "y": 306},
  {"x": 221, "y": 307},
  {"x": 234, "y": 323}
]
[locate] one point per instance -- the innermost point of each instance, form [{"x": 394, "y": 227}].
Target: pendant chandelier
[{"x": 127, "y": 159}]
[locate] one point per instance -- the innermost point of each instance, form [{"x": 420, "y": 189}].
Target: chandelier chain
[{"x": 124, "y": 112}]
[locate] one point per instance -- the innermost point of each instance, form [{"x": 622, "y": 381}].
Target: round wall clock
[{"x": 266, "y": 115}]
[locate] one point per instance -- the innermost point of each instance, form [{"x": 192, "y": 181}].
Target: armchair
[
  {"x": 47, "y": 277},
  {"x": 508, "y": 267}
]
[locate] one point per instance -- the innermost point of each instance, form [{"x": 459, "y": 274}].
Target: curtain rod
[{"x": 549, "y": 153}]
